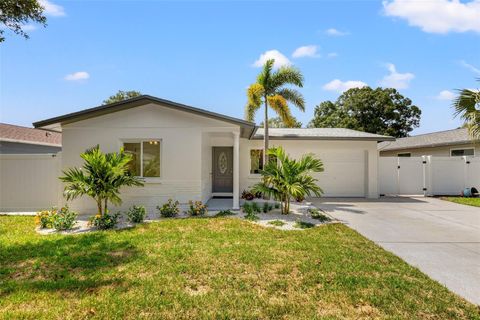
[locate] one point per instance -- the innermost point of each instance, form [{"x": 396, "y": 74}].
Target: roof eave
[{"x": 377, "y": 139}]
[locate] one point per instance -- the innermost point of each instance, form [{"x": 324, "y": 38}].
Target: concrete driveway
[{"x": 440, "y": 238}]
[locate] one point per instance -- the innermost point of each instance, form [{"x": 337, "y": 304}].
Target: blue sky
[{"x": 204, "y": 53}]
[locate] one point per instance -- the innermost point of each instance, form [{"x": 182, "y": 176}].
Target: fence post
[
  {"x": 424, "y": 172},
  {"x": 465, "y": 171},
  {"x": 398, "y": 176}
]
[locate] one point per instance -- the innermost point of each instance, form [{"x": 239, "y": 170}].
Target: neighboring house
[
  {"x": 186, "y": 153},
  {"x": 22, "y": 140},
  {"x": 450, "y": 143}
]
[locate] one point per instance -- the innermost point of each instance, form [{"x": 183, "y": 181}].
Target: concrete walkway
[{"x": 441, "y": 238}]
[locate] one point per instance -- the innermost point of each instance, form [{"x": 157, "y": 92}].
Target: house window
[
  {"x": 256, "y": 160},
  {"x": 406, "y": 154},
  {"x": 462, "y": 152},
  {"x": 145, "y": 158}
]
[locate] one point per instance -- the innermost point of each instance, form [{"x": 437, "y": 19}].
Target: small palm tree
[
  {"x": 100, "y": 178},
  {"x": 288, "y": 178},
  {"x": 269, "y": 90},
  {"x": 467, "y": 106}
]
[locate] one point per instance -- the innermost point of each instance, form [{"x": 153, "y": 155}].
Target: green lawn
[
  {"x": 468, "y": 201},
  {"x": 212, "y": 268}
]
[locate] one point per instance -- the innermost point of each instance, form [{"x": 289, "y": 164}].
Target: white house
[{"x": 186, "y": 153}]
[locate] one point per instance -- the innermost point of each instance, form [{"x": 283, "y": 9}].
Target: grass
[
  {"x": 303, "y": 225},
  {"x": 467, "y": 201},
  {"x": 212, "y": 268},
  {"x": 277, "y": 223}
]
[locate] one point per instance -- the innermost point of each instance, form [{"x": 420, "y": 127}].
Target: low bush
[
  {"x": 169, "y": 209},
  {"x": 43, "y": 218},
  {"x": 318, "y": 214},
  {"x": 256, "y": 207},
  {"x": 277, "y": 223},
  {"x": 225, "y": 213},
  {"x": 277, "y": 205},
  {"x": 249, "y": 210},
  {"x": 196, "y": 208},
  {"x": 136, "y": 214},
  {"x": 267, "y": 207},
  {"x": 303, "y": 225},
  {"x": 247, "y": 195},
  {"x": 104, "y": 221},
  {"x": 64, "y": 219}
]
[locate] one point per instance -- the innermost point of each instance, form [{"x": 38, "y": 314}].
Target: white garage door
[{"x": 344, "y": 174}]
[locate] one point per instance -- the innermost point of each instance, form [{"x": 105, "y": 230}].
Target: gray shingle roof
[
  {"x": 434, "y": 139},
  {"x": 319, "y": 134}
]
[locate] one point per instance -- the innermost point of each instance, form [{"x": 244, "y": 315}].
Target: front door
[{"x": 222, "y": 169}]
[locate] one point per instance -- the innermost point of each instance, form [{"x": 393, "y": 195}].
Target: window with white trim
[
  {"x": 256, "y": 160},
  {"x": 145, "y": 158},
  {"x": 462, "y": 152}
]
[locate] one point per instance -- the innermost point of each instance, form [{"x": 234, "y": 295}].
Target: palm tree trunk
[
  {"x": 265, "y": 134},
  {"x": 99, "y": 206},
  {"x": 105, "y": 209}
]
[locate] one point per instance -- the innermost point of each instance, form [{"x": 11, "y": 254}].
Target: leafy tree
[
  {"x": 269, "y": 90},
  {"x": 289, "y": 178},
  {"x": 14, "y": 14},
  {"x": 381, "y": 111},
  {"x": 278, "y": 123},
  {"x": 467, "y": 106},
  {"x": 100, "y": 178},
  {"x": 121, "y": 96}
]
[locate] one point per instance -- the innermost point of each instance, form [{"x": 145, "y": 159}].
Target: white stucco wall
[
  {"x": 350, "y": 166},
  {"x": 182, "y": 151}
]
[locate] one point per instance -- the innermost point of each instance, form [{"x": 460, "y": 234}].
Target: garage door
[{"x": 344, "y": 174}]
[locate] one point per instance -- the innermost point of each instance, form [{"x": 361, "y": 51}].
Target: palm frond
[
  {"x": 467, "y": 106},
  {"x": 293, "y": 96},
  {"x": 264, "y": 78},
  {"x": 287, "y": 75},
  {"x": 280, "y": 106},
  {"x": 254, "y": 95}
]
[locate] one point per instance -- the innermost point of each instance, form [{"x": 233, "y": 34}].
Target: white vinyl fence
[
  {"x": 428, "y": 175},
  {"x": 29, "y": 182}
]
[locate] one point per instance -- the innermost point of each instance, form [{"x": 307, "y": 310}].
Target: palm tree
[
  {"x": 270, "y": 90},
  {"x": 100, "y": 178},
  {"x": 467, "y": 106},
  {"x": 288, "y": 178}
]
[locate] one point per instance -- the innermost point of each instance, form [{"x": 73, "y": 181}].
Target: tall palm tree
[
  {"x": 270, "y": 90},
  {"x": 467, "y": 106},
  {"x": 100, "y": 178},
  {"x": 289, "y": 178}
]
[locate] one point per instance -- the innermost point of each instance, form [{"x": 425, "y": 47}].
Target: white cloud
[
  {"x": 437, "y": 16},
  {"x": 306, "y": 51},
  {"x": 341, "y": 86},
  {"x": 332, "y": 55},
  {"x": 280, "y": 59},
  {"x": 445, "y": 95},
  {"x": 470, "y": 67},
  {"x": 80, "y": 75},
  {"x": 52, "y": 9},
  {"x": 335, "y": 32},
  {"x": 395, "y": 79}
]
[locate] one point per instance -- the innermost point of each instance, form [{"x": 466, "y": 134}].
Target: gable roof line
[{"x": 134, "y": 102}]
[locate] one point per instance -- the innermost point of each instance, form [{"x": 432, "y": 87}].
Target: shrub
[
  {"x": 169, "y": 209},
  {"x": 250, "y": 213},
  {"x": 104, "y": 221},
  {"x": 225, "y": 213},
  {"x": 258, "y": 195},
  {"x": 64, "y": 219},
  {"x": 247, "y": 195},
  {"x": 303, "y": 225},
  {"x": 277, "y": 205},
  {"x": 136, "y": 214},
  {"x": 289, "y": 178},
  {"x": 196, "y": 208},
  {"x": 256, "y": 207},
  {"x": 267, "y": 207},
  {"x": 277, "y": 223},
  {"x": 318, "y": 214},
  {"x": 44, "y": 218}
]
